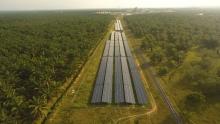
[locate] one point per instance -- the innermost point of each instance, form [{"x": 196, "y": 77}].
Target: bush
[
  {"x": 194, "y": 101},
  {"x": 163, "y": 71},
  {"x": 210, "y": 43}
]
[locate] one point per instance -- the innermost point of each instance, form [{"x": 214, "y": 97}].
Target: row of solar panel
[
  {"x": 103, "y": 85},
  {"x": 119, "y": 88},
  {"x": 123, "y": 85},
  {"x": 97, "y": 92},
  {"x": 118, "y": 25},
  {"x": 107, "y": 89},
  {"x": 118, "y": 44},
  {"x": 123, "y": 91},
  {"x": 128, "y": 90},
  {"x": 139, "y": 89},
  {"x": 140, "y": 92},
  {"x": 127, "y": 49},
  {"x": 117, "y": 28}
]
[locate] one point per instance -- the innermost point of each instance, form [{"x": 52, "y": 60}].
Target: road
[{"x": 153, "y": 79}]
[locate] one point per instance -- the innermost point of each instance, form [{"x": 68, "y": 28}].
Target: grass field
[
  {"x": 75, "y": 107},
  {"x": 209, "y": 114}
]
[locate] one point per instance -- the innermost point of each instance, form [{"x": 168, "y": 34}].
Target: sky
[{"x": 92, "y": 4}]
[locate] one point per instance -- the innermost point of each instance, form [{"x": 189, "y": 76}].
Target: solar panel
[
  {"x": 121, "y": 28},
  {"x": 116, "y": 36},
  {"x": 116, "y": 27},
  {"x": 119, "y": 90},
  {"x": 123, "y": 36},
  {"x": 119, "y": 36},
  {"x": 111, "y": 51},
  {"x": 119, "y": 24},
  {"x": 108, "y": 41},
  {"x": 116, "y": 43},
  {"x": 116, "y": 23},
  {"x": 112, "y": 43},
  {"x": 113, "y": 36},
  {"x": 138, "y": 85},
  {"x": 127, "y": 49},
  {"x": 117, "y": 51},
  {"x": 114, "y": 67},
  {"x": 129, "y": 95},
  {"x": 122, "y": 50},
  {"x": 106, "y": 50},
  {"x": 97, "y": 92},
  {"x": 107, "y": 89}
]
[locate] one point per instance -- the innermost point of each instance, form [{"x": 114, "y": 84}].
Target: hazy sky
[{"x": 82, "y": 4}]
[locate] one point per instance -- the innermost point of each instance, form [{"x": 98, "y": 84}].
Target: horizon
[
  {"x": 25, "y": 5},
  {"x": 82, "y": 9}
]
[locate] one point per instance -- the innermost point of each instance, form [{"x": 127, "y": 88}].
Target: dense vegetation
[
  {"x": 38, "y": 51},
  {"x": 184, "y": 48}
]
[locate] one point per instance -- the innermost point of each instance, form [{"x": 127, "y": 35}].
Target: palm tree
[
  {"x": 37, "y": 107},
  {"x": 3, "y": 115}
]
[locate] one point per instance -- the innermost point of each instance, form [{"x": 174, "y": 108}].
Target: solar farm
[
  {"x": 110, "y": 88},
  {"x": 118, "y": 80}
]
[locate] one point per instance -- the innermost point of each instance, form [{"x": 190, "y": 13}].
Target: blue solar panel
[
  {"x": 119, "y": 90},
  {"x": 117, "y": 51},
  {"x": 138, "y": 85},
  {"x": 106, "y": 50},
  {"x": 107, "y": 89},
  {"x": 97, "y": 92},
  {"x": 127, "y": 49},
  {"x": 112, "y": 36},
  {"x": 122, "y": 50},
  {"x": 129, "y": 95},
  {"x": 118, "y": 66}
]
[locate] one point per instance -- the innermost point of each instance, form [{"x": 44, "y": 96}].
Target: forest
[
  {"x": 38, "y": 52},
  {"x": 184, "y": 49}
]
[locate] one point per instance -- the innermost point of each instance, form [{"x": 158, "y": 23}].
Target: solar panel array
[
  {"x": 119, "y": 88},
  {"x": 118, "y": 76},
  {"x": 118, "y": 26},
  {"x": 107, "y": 89},
  {"x": 127, "y": 48},
  {"x": 106, "y": 50},
  {"x": 97, "y": 92},
  {"x": 129, "y": 95},
  {"x": 138, "y": 85}
]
